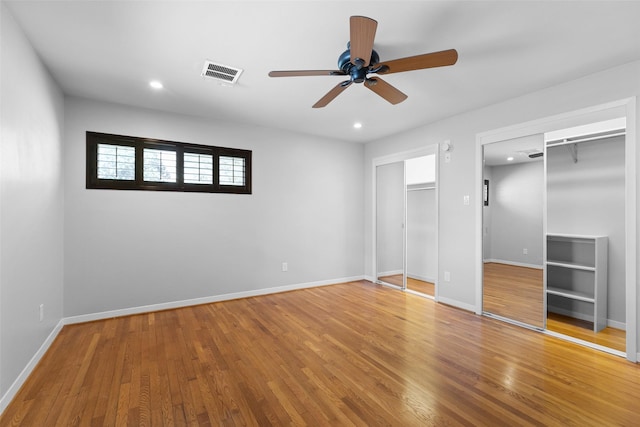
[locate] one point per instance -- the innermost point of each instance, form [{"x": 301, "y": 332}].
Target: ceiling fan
[{"x": 360, "y": 60}]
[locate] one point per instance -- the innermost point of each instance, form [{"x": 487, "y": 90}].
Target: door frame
[
  {"x": 394, "y": 158},
  {"x": 621, "y": 108}
]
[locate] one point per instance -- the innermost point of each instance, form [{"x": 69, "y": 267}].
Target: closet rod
[
  {"x": 421, "y": 188},
  {"x": 577, "y": 141}
]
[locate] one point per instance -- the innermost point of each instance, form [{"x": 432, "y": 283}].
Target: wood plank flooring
[{"x": 348, "y": 354}]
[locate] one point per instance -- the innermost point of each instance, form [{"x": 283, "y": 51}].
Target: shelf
[
  {"x": 580, "y": 296},
  {"x": 577, "y": 266},
  {"x": 574, "y": 266}
]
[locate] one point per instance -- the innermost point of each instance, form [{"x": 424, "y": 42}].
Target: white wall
[
  {"x": 128, "y": 249},
  {"x": 31, "y": 203},
  {"x": 457, "y": 178},
  {"x": 516, "y": 213}
]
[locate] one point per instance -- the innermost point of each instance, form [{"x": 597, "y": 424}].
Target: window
[
  {"x": 232, "y": 170},
  {"x": 198, "y": 168},
  {"x": 131, "y": 163},
  {"x": 159, "y": 165},
  {"x": 116, "y": 162}
]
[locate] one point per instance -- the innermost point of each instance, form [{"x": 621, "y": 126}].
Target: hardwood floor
[
  {"x": 514, "y": 292},
  {"x": 347, "y": 354}
]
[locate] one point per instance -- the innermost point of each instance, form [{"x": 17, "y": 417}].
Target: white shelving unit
[{"x": 577, "y": 271}]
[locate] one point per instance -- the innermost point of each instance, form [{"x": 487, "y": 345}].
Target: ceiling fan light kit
[{"x": 360, "y": 60}]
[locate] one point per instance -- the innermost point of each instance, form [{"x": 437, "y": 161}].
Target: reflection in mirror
[
  {"x": 513, "y": 285},
  {"x": 421, "y": 224},
  {"x": 389, "y": 223}
]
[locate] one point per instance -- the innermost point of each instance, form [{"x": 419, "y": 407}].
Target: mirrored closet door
[
  {"x": 406, "y": 222},
  {"x": 513, "y": 177},
  {"x": 390, "y": 201}
]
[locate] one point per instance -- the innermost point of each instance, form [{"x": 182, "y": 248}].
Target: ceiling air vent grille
[{"x": 220, "y": 72}]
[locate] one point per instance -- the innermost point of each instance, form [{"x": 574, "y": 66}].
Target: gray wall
[
  {"x": 515, "y": 222},
  {"x": 31, "y": 202},
  {"x": 133, "y": 248},
  {"x": 587, "y": 197}
]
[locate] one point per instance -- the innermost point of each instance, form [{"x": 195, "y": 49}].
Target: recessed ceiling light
[
  {"x": 156, "y": 84},
  {"x": 357, "y": 125},
  {"x": 509, "y": 159}
]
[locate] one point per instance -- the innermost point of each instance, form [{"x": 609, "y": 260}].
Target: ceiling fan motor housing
[{"x": 358, "y": 74}]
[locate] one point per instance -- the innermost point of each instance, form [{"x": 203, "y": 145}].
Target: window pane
[
  {"x": 232, "y": 171},
  {"x": 198, "y": 168},
  {"x": 116, "y": 162},
  {"x": 159, "y": 165}
]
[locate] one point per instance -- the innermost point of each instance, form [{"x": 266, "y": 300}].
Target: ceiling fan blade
[
  {"x": 363, "y": 31},
  {"x": 419, "y": 62},
  {"x": 294, "y": 73},
  {"x": 331, "y": 95},
  {"x": 385, "y": 90}
]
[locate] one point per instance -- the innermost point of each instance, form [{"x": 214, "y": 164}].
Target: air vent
[{"x": 221, "y": 73}]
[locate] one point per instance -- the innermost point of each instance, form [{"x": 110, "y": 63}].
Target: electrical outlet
[
  {"x": 465, "y": 199},
  {"x": 447, "y": 276},
  {"x": 285, "y": 266},
  {"x": 525, "y": 251},
  {"x": 41, "y": 312}
]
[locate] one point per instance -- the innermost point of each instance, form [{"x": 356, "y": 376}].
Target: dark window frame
[{"x": 139, "y": 144}]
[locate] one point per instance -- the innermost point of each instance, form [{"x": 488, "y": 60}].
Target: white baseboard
[
  {"x": 457, "y": 304},
  {"x": 515, "y": 263},
  {"x": 204, "y": 300},
  {"x": 13, "y": 390}
]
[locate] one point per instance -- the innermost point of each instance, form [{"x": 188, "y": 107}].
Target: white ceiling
[{"x": 110, "y": 50}]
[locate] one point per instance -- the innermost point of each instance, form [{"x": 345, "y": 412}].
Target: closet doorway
[
  {"x": 585, "y": 263},
  {"x": 588, "y": 228},
  {"x": 405, "y": 244}
]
